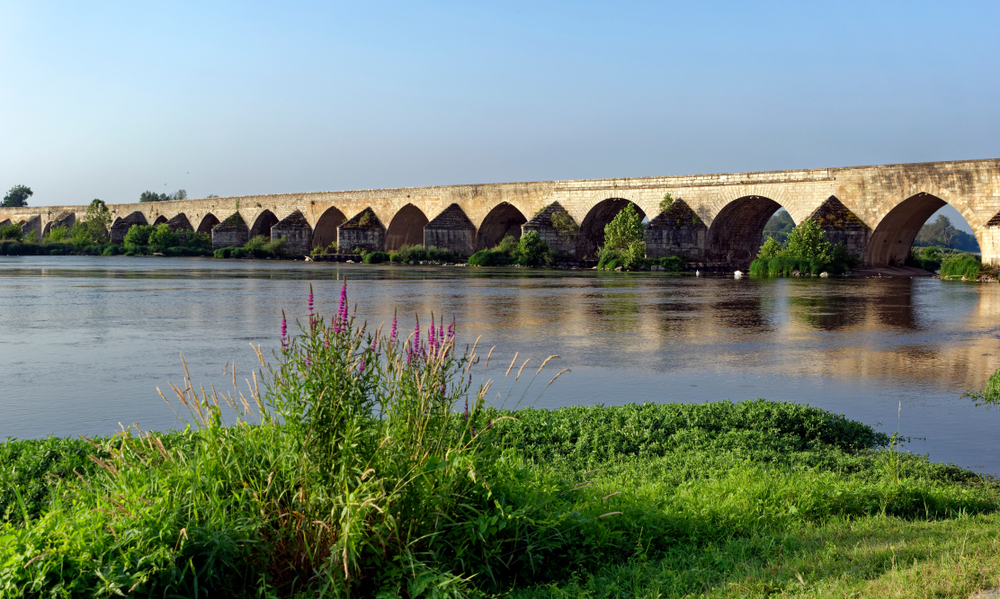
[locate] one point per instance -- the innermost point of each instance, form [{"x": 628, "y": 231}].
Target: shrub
[
  {"x": 533, "y": 251},
  {"x": 808, "y": 241},
  {"x": 507, "y": 245},
  {"x": 57, "y": 234},
  {"x": 770, "y": 249},
  {"x": 375, "y": 257},
  {"x": 112, "y": 250},
  {"x": 961, "y": 265},
  {"x": 670, "y": 263},
  {"x": 198, "y": 241},
  {"x": 11, "y": 232},
  {"x": 162, "y": 236},
  {"x": 416, "y": 253},
  {"x": 138, "y": 235},
  {"x": 491, "y": 258},
  {"x": 564, "y": 225}
]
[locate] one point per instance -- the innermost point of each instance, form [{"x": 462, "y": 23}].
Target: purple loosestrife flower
[
  {"x": 308, "y": 361},
  {"x": 466, "y": 408},
  {"x": 392, "y": 333},
  {"x": 431, "y": 337},
  {"x": 284, "y": 331},
  {"x": 361, "y": 366},
  {"x": 416, "y": 335},
  {"x": 310, "y": 300}
]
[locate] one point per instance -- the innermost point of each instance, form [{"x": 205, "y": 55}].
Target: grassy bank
[{"x": 376, "y": 468}]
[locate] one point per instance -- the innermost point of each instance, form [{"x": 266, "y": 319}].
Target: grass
[{"x": 376, "y": 468}]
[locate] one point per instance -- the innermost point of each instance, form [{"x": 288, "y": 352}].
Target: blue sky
[{"x": 113, "y": 98}]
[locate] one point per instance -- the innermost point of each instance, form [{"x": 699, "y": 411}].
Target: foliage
[
  {"x": 961, "y": 265},
  {"x": 138, "y": 235},
  {"x": 98, "y": 220},
  {"x": 376, "y": 257},
  {"x": 779, "y": 226},
  {"x": 991, "y": 392},
  {"x": 564, "y": 225},
  {"x": 808, "y": 241},
  {"x": 163, "y": 236},
  {"x": 17, "y": 197},
  {"x": 152, "y": 196},
  {"x": 666, "y": 203},
  {"x": 670, "y": 263},
  {"x": 258, "y": 247},
  {"x": 11, "y": 232},
  {"x": 942, "y": 233},
  {"x": 419, "y": 253},
  {"x": 320, "y": 250},
  {"x": 770, "y": 249},
  {"x": 80, "y": 236},
  {"x": 624, "y": 242},
  {"x": 493, "y": 257},
  {"x": 508, "y": 245},
  {"x": 533, "y": 251},
  {"x": 57, "y": 234}
]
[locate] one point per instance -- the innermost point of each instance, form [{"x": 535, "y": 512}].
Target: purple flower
[
  {"x": 343, "y": 302},
  {"x": 361, "y": 366},
  {"x": 308, "y": 361},
  {"x": 466, "y": 408},
  {"x": 310, "y": 302},
  {"x": 431, "y": 337},
  {"x": 416, "y": 335},
  {"x": 392, "y": 333},
  {"x": 373, "y": 343},
  {"x": 284, "y": 330}
]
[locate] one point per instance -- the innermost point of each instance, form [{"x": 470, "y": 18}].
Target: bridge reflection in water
[{"x": 87, "y": 340}]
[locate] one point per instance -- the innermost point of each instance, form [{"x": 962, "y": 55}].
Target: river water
[{"x": 85, "y": 341}]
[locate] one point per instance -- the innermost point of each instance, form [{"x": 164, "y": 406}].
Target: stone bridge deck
[{"x": 876, "y": 210}]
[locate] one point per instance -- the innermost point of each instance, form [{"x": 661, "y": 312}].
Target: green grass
[{"x": 378, "y": 470}]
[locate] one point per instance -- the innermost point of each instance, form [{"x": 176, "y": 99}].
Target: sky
[{"x": 110, "y": 99}]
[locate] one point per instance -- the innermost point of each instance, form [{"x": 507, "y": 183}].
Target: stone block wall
[
  {"x": 364, "y": 231},
  {"x": 296, "y": 231},
  {"x": 677, "y": 231},
  {"x": 232, "y": 232},
  {"x": 451, "y": 230},
  {"x": 562, "y": 242}
]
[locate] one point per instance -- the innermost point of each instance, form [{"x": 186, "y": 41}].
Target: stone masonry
[{"x": 891, "y": 201}]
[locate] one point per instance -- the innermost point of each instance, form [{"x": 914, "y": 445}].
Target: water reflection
[{"x": 86, "y": 341}]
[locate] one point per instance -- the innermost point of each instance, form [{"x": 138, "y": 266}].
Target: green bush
[
  {"x": 533, "y": 251},
  {"x": 11, "y": 232},
  {"x": 112, "y": 250},
  {"x": 375, "y": 257},
  {"x": 670, "y": 263},
  {"x": 507, "y": 245},
  {"x": 80, "y": 237},
  {"x": 417, "y": 253},
  {"x": 57, "y": 234},
  {"x": 962, "y": 265},
  {"x": 138, "y": 235},
  {"x": 494, "y": 257},
  {"x": 162, "y": 236}
]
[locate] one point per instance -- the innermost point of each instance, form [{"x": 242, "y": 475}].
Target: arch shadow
[
  {"x": 734, "y": 236},
  {"x": 502, "y": 221},
  {"x": 591, "y": 234},
  {"x": 893, "y": 238},
  {"x": 325, "y": 232},
  {"x": 406, "y": 228},
  {"x": 160, "y": 220},
  {"x": 207, "y": 223},
  {"x": 262, "y": 226}
]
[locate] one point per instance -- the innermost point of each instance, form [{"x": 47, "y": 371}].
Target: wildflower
[
  {"x": 308, "y": 361},
  {"x": 361, "y": 366},
  {"x": 310, "y": 302},
  {"x": 284, "y": 330},
  {"x": 466, "y": 409},
  {"x": 431, "y": 336},
  {"x": 392, "y": 333},
  {"x": 416, "y": 335}
]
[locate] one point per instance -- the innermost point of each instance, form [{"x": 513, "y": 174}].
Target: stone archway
[
  {"x": 262, "y": 225},
  {"x": 406, "y": 228},
  {"x": 502, "y": 221},
  {"x": 325, "y": 232},
  {"x": 734, "y": 235},
  {"x": 591, "y": 234},
  {"x": 207, "y": 223},
  {"x": 893, "y": 238}
]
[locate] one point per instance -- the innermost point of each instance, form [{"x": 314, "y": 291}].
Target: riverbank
[{"x": 721, "y": 499}]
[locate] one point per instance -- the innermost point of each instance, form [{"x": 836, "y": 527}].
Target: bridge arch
[
  {"x": 503, "y": 220},
  {"x": 591, "y": 234},
  {"x": 735, "y": 232},
  {"x": 262, "y": 225},
  {"x": 207, "y": 222},
  {"x": 325, "y": 231},
  {"x": 893, "y": 238},
  {"x": 406, "y": 228},
  {"x": 160, "y": 220}
]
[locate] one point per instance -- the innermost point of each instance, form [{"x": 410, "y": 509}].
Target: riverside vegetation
[
  {"x": 806, "y": 251},
  {"x": 363, "y": 464}
]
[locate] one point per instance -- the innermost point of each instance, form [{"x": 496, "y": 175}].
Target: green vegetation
[
  {"x": 564, "y": 225},
  {"x": 377, "y": 470},
  {"x": 96, "y": 222},
  {"x": 17, "y": 197},
  {"x": 806, "y": 251},
  {"x": 779, "y": 226},
  {"x": 990, "y": 394},
  {"x": 529, "y": 250},
  {"x": 142, "y": 240},
  {"x": 419, "y": 253},
  {"x": 258, "y": 247},
  {"x": 667, "y": 202},
  {"x": 152, "y": 196},
  {"x": 11, "y": 232},
  {"x": 943, "y": 234},
  {"x": 963, "y": 266},
  {"x": 624, "y": 242}
]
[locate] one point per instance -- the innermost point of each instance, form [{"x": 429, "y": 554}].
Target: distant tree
[
  {"x": 152, "y": 196},
  {"x": 942, "y": 233},
  {"x": 778, "y": 226},
  {"x": 211, "y": 195},
  {"x": 17, "y": 196},
  {"x": 180, "y": 194},
  {"x": 97, "y": 220},
  {"x": 808, "y": 241}
]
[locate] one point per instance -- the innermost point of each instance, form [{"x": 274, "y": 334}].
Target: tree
[
  {"x": 624, "y": 230},
  {"x": 17, "y": 196},
  {"x": 152, "y": 196},
  {"x": 770, "y": 249},
  {"x": 808, "y": 241},
  {"x": 97, "y": 220}
]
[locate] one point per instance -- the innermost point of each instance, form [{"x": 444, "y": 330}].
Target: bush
[
  {"x": 57, "y": 234},
  {"x": 198, "y": 241},
  {"x": 112, "y": 250},
  {"x": 80, "y": 237},
  {"x": 11, "y": 232},
  {"x": 417, "y": 253},
  {"x": 375, "y": 257},
  {"x": 138, "y": 235},
  {"x": 493, "y": 257},
  {"x": 670, "y": 263},
  {"x": 162, "y": 236},
  {"x": 962, "y": 265}
]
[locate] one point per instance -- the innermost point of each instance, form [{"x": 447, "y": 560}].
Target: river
[{"x": 85, "y": 341}]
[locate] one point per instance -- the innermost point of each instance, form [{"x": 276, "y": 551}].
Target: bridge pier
[
  {"x": 561, "y": 239},
  {"x": 232, "y": 232},
  {"x": 364, "y": 231},
  {"x": 451, "y": 230},
  {"x": 296, "y": 231},
  {"x": 677, "y": 231}
]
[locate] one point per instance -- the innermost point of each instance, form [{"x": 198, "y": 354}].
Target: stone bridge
[{"x": 876, "y": 210}]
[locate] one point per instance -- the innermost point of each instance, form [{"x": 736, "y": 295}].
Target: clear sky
[{"x": 109, "y": 99}]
